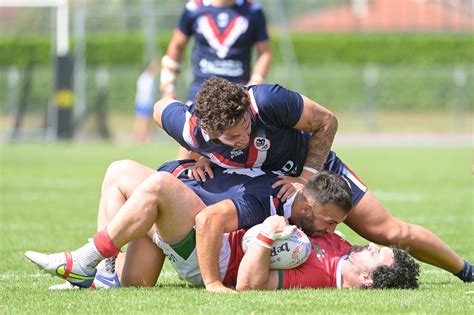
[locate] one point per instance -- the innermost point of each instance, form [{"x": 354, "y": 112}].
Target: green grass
[{"x": 49, "y": 197}]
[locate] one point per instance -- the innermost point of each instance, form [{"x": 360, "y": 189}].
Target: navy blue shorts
[{"x": 335, "y": 164}]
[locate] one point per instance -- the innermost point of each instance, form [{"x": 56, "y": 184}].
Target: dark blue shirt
[
  {"x": 224, "y": 38},
  {"x": 274, "y": 144}
]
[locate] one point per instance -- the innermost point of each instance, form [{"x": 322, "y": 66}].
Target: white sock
[{"x": 88, "y": 256}]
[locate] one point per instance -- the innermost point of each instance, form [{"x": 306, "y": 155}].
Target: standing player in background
[
  {"x": 144, "y": 99},
  {"x": 225, "y": 32}
]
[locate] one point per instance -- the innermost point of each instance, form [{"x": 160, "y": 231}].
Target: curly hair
[
  {"x": 402, "y": 274},
  {"x": 220, "y": 104},
  {"x": 328, "y": 187}
]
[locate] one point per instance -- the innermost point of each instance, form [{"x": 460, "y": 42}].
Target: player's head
[
  {"x": 383, "y": 267},
  {"x": 325, "y": 202},
  {"x": 222, "y": 108}
]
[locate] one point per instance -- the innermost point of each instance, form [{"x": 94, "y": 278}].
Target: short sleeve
[
  {"x": 185, "y": 24},
  {"x": 277, "y": 105},
  {"x": 250, "y": 211},
  {"x": 173, "y": 120},
  {"x": 261, "y": 33}
]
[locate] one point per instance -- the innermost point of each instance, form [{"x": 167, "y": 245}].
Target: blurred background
[{"x": 388, "y": 67}]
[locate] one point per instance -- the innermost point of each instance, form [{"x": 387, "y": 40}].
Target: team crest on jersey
[
  {"x": 320, "y": 253},
  {"x": 262, "y": 144},
  {"x": 235, "y": 152},
  {"x": 222, "y": 42}
]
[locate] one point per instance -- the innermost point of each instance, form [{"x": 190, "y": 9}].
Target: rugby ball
[{"x": 286, "y": 253}]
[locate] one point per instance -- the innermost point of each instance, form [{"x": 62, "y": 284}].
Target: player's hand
[
  {"x": 201, "y": 169},
  {"x": 277, "y": 226},
  {"x": 218, "y": 287},
  {"x": 289, "y": 185}
]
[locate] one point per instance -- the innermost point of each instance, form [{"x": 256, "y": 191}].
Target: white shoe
[
  {"x": 63, "y": 286},
  {"x": 63, "y": 265}
]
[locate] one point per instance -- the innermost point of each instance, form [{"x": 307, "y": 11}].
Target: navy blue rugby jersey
[
  {"x": 274, "y": 144},
  {"x": 224, "y": 38},
  {"x": 249, "y": 189}
]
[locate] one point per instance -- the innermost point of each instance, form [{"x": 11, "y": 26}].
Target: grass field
[{"x": 49, "y": 197}]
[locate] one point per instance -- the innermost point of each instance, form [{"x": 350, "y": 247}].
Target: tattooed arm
[{"x": 323, "y": 124}]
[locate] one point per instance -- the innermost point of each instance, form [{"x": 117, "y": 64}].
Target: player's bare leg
[
  {"x": 143, "y": 263},
  {"x": 120, "y": 179},
  {"x": 370, "y": 220},
  {"x": 162, "y": 199},
  {"x": 153, "y": 201}
]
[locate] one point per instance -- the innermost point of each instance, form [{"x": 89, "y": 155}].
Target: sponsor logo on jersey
[
  {"x": 320, "y": 253},
  {"x": 236, "y": 152},
  {"x": 262, "y": 144},
  {"x": 290, "y": 168}
]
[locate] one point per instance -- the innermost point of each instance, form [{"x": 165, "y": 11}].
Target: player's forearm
[
  {"x": 171, "y": 63},
  {"x": 211, "y": 224},
  {"x": 262, "y": 64},
  {"x": 208, "y": 244},
  {"x": 323, "y": 124},
  {"x": 254, "y": 268},
  {"x": 318, "y": 148},
  {"x": 260, "y": 68}
]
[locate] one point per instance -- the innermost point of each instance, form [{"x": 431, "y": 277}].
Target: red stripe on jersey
[
  {"x": 353, "y": 174},
  {"x": 192, "y": 127},
  {"x": 276, "y": 203},
  {"x": 181, "y": 168},
  {"x": 215, "y": 30},
  {"x": 253, "y": 153},
  {"x": 68, "y": 268},
  {"x": 252, "y": 105},
  {"x": 227, "y": 162}
]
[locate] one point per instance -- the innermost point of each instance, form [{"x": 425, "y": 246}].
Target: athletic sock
[
  {"x": 466, "y": 273},
  {"x": 88, "y": 256},
  {"x": 104, "y": 244}
]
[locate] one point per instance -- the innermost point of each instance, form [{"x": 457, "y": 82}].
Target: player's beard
[{"x": 308, "y": 226}]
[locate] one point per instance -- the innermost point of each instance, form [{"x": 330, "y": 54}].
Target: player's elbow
[
  {"x": 158, "y": 109},
  {"x": 245, "y": 284},
  {"x": 331, "y": 122}
]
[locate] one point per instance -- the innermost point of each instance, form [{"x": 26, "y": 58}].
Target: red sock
[{"x": 104, "y": 244}]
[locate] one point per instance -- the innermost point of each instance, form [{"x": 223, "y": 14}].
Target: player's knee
[
  {"x": 118, "y": 168},
  {"x": 157, "y": 183},
  {"x": 202, "y": 219}
]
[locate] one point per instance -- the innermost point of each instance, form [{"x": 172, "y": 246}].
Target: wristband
[
  {"x": 167, "y": 76},
  {"x": 264, "y": 240},
  {"x": 310, "y": 169},
  {"x": 167, "y": 62}
]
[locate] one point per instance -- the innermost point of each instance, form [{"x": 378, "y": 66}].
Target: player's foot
[
  {"x": 64, "y": 265},
  {"x": 106, "y": 277},
  {"x": 467, "y": 272}
]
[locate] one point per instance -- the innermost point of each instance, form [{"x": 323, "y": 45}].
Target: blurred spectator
[
  {"x": 225, "y": 32},
  {"x": 144, "y": 99}
]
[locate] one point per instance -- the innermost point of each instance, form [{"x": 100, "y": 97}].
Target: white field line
[
  {"x": 37, "y": 226},
  {"x": 55, "y": 182},
  {"x": 8, "y": 276}
]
